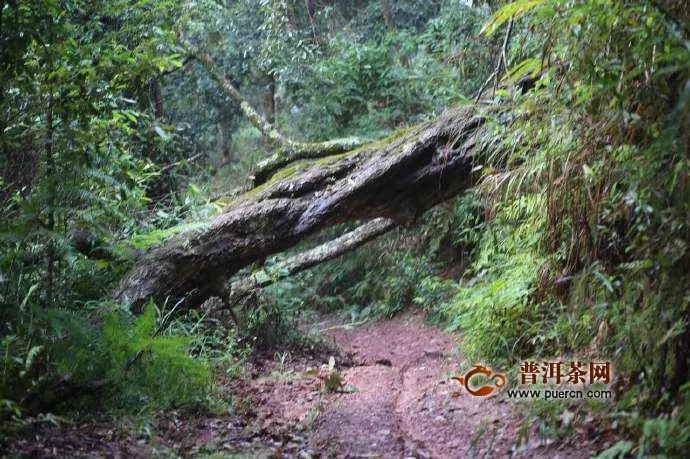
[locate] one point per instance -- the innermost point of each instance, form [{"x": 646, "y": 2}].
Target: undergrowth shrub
[
  {"x": 280, "y": 317},
  {"x": 108, "y": 360},
  {"x": 271, "y": 325},
  {"x": 668, "y": 434},
  {"x": 150, "y": 369},
  {"x": 492, "y": 307}
]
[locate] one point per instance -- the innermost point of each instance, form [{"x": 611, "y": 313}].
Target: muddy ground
[{"x": 394, "y": 397}]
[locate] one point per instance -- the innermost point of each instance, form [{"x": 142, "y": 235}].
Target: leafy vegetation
[{"x": 574, "y": 242}]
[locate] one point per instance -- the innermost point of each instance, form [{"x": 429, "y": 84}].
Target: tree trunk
[
  {"x": 398, "y": 178},
  {"x": 271, "y": 100},
  {"x": 156, "y": 96},
  {"x": 224, "y": 137},
  {"x": 305, "y": 260},
  {"x": 387, "y": 15}
]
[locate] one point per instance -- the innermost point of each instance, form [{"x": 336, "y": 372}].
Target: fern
[{"x": 150, "y": 369}]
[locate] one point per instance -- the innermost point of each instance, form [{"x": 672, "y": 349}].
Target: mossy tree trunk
[
  {"x": 396, "y": 178},
  {"x": 308, "y": 259}
]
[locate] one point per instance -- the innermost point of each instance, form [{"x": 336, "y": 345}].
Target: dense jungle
[{"x": 358, "y": 228}]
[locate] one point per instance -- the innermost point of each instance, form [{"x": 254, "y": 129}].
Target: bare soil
[
  {"x": 404, "y": 404},
  {"x": 397, "y": 399}
]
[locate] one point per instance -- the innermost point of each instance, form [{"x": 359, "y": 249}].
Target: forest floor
[{"x": 397, "y": 400}]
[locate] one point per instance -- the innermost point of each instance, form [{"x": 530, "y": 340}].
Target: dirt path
[
  {"x": 398, "y": 403},
  {"x": 403, "y": 405}
]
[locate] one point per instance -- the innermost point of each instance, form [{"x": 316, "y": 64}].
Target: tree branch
[
  {"x": 310, "y": 258},
  {"x": 502, "y": 60},
  {"x": 288, "y": 150},
  {"x": 398, "y": 178}
]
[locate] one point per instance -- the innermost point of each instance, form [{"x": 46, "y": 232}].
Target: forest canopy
[{"x": 172, "y": 172}]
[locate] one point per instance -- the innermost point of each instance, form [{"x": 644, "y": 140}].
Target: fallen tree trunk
[
  {"x": 308, "y": 259},
  {"x": 397, "y": 178}
]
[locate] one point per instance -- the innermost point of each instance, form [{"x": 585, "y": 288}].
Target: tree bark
[
  {"x": 288, "y": 150},
  {"x": 387, "y": 15},
  {"x": 310, "y": 258},
  {"x": 271, "y": 99},
  {"x": 398, "y": 178},
  {"x": 156, "y": 96}
]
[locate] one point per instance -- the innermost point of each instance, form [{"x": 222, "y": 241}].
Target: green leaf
[
  {"x": 511, "y": 10},
  {"x": 530, "y": 66}
]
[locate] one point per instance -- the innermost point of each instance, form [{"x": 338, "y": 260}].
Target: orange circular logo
[{"x": 499, "y": 381}]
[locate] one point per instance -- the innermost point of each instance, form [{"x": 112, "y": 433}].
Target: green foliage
[
  {"x": 618, "y": 216},
  {"x": 494, "y": 307},
  {"x": 458, "y": 223},
  {"x": 150, "y": 370},
  {"x": 516, "y": 9},
  {"x": 668, "y": 434},
  {"x": 79, "y": 147},
  {"x": 129, "y": 359},
  {"x": 84, "y": 150},
  {"x": 273, "y": 322},
  {"x": 19, "y": 372},
  {"x": 365, "y": 84},
  {"x": 586, "y": 244}
]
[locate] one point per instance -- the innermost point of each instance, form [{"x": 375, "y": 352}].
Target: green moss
[
  {"x": 281, "y": 174},
  {"x": 401, "y": 133},
  {"x": 256, "y": 190},
  {"x": 147, "y": 240},
  {"x": 302, "y": 164},
  {"x": 289, "y": 170},
  {"x": 298, "y": 166},
  {"x": 394, "y": 137},
  {"x": 335, "y": 158},
  {"x": 223, "y": 202}
]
